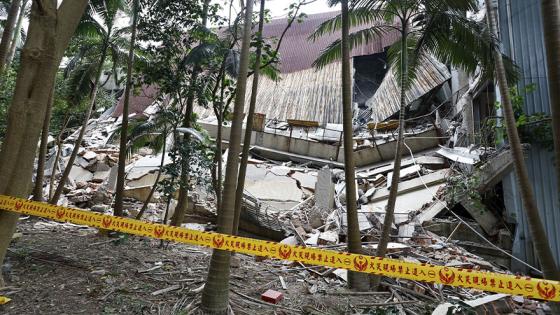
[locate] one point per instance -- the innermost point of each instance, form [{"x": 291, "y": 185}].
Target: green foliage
[
  {"x": 432, "y": 27},
  {"x": 7, "y": 86},
  {"x": 534, "y": 129},
  {"x": 464, "y": 186}
]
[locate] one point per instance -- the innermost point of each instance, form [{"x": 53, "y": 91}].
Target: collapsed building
[{"x": 456, "y": 201}]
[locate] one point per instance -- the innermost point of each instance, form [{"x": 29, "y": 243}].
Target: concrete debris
[
  {"x": 461, "y": 155},
  {"x": 299, "y": 198},
  {"x": 324, "y": 189}
]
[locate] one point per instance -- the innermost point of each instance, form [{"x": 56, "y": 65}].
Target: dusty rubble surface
[{"x": 55, "y": 268}]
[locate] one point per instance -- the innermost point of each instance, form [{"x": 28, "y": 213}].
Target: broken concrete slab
[
  {"x": 433, "y": 210},
  {"x": 407, "y": 202},
  {"x": 290, "y": 240},
  {"x": 404, "y": 173},
  {"x": 306, "y": 180},
  {"x": 406, "y": 231},
  {"x": 328, "y": 238},
  {"x": 324, "y": 190},
  {"x": 112, "y": 180},
  {"x": 275, "y": 188},
  {"x": 494, "y": 170},
  {"x": 146, "y": 180},
  {"x": 313, "y": 239},
  {"x": 89, "y": 155},
  {"x": 415, "y": 184},
  {"x": 79, "y": 174},
  {"x": 460, "y": 155},
  {"x": 392, "y": 247},
  {"x": 100, "y": 177},
  {"x": 484, "y": 217},
  {"x": 139, "y": 193},
  {"x": 363, "y": 222}
]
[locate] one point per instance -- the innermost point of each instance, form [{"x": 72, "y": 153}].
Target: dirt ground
[{"x": 54, "y": 268}]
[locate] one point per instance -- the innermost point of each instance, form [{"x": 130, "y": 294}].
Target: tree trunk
[
  {"x": 183, "y": 198},
  {"x": 154, "y": 187},
  {"x": 77, "y": 143},
  {"x": 118, "y": 208},
  {"x": 17, "y": 34},
  {"x": 38, "y": 189},
  {"x": 218, "y": 159},
  {"x": 551, "y": 27},
  {"x": 249, "y": 124},
  {"x": 58, "y": 152},
  {"x": 50, "y": 31},
  {"x": 390, "y": 209},
  {"x": 356, "y": 280},
  {"x": 538, "y": 233},
  {"x": 8, "y": 32},
  {"x": 215, "y": 296}
]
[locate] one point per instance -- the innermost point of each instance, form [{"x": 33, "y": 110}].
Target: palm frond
[
  {"x": 356, "y": 17},
  {"x": 200, "y": 53},
  {"x": 333, "y": 52}
]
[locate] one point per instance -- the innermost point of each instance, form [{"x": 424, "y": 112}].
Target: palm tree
[
  {"x": 7, "y": 34},
  {"x": 181, "y": 208},
  {"x": 538, "y": 234},
  {"x": 152, "y": 134},
  {"x": 99, "y": 27},
  {"x": 249, "y": 123},
  {"x": 551, "y": 29},
  {"x": 118, "y": 208},
  {"x": 356, "y": 280},
  {"x": 426, "y": 27},
  {"x": 215, "y": 296}
]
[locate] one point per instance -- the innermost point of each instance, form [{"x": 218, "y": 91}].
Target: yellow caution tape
[
  {"x": 4, "y": 300},
  {"x": 457, "y": 277}
]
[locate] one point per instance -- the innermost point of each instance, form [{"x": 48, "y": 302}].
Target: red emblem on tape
[
  {"x": 360, "y": 263},
  {"x": 19, "y": 204},
  {"x": 546, "y": 290},
  {"x": 106, "y": 222},
  {"x": 60, "y": 213},
  {"x": 285, "y": 251},
  {"x": 158, "y": 231},
  {"x": 218, "y": 241},
  {"x": 446, "y": 276}
]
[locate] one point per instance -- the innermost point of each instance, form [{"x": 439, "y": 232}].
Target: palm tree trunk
[
  {"x": 118, "y": 208},
  {"x": 50, "y": 31},
  {"x": 249, "y": 125},
  {"x": 154, "y": 187},
  {"x": 390, "y": 209},
  {"x": 38, "y": 188},
  {"x": 218, "y": 159},
  {"x": 17, "y": 34},
  {"x": 183, "y": 199},
  {"x": 551, "y": 28},
  {"x": 356, "y": 280},
  {"x": 77, "y": 143},
  {"x": 538, "y": 234},
  {"x": 215, "y": 296},
  {"x": 58, "y": 152},
  {"x": 8, "y": 32}
]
